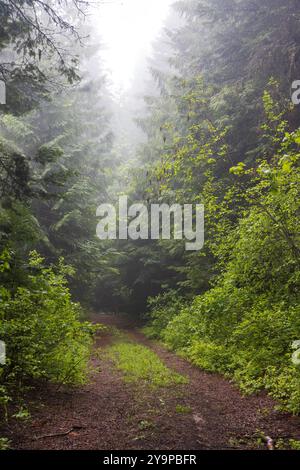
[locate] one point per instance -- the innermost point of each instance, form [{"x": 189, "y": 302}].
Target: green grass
[
  {"x": 141, "y": 365},
  {"x": 183, "y": 409}
]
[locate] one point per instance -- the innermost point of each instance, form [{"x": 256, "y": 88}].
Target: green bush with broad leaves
[
  {"x": 245, "y": 325},
  {"x": 42, "y": 330},
  {"x": 164, "y": 307}
]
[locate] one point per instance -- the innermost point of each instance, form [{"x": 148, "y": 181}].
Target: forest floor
[{"x": 122, "y": 408}]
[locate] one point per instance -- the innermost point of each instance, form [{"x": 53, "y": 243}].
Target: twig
[{"x": 60, "y": 434}]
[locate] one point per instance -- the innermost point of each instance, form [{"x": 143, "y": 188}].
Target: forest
[{"x": 206, "y": 339}]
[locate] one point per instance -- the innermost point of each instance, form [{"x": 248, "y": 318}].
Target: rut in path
[{"x": 207, "y": 413}]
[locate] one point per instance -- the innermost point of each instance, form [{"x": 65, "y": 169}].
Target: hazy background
[{"x": 128, "y": 28}]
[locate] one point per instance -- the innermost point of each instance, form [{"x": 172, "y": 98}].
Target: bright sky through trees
[{"x": 128, "y": 28}]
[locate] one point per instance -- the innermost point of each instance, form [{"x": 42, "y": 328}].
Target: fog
[{"x": 128, "y": 28}]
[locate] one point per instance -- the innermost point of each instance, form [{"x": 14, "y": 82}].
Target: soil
[{"x": 109, "y": 414}]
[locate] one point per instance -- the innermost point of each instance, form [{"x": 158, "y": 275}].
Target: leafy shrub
[
  {"x": 254, "y": 348},
  {"x": 164, "y": 307},
  {"x": 40, "y": 326},
  {"x": 208, "y": 356},
  {"x": 244, "y": 326}
]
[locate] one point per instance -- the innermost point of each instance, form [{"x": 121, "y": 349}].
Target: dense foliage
[
  {"x": 42, "y": 329},
  {"x": 223, "y": 132},
  {"x": 54, "y": 141},
  {"x": 245, "y": 325}
]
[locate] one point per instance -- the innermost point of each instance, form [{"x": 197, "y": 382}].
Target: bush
[
  {"x": 244, "y": 326},
  {"x": 252, "y": 345},
  {"x": 40, "y": 326},
  {"x": 163, "y": 308}
]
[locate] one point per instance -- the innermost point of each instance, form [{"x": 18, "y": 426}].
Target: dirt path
[{"x": 109, "y": 414}]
